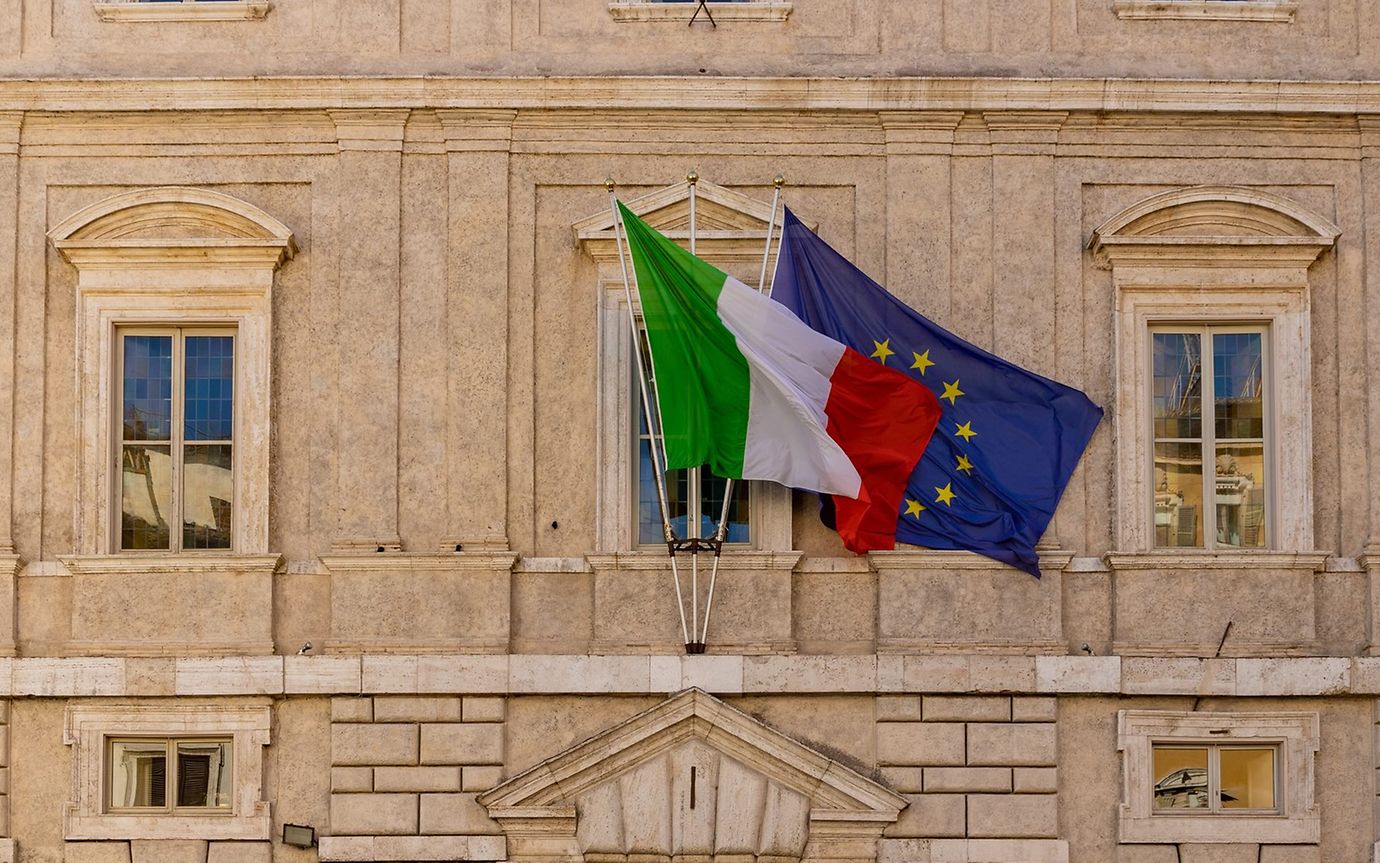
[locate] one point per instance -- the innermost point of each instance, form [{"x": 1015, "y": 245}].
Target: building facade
[{"x": 333, "y": 285}]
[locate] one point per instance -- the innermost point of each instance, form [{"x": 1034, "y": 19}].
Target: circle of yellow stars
[{"x": 944, "y": 494}]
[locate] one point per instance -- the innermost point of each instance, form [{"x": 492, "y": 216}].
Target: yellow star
[
  {"x": 914, "y": 507},
  {"x": 883, "y": 350},
  {"x": 951, "y": 392},
  {"x": 922, "y": 361},
  {"x": 965, "y": 431},
  {"x": 944, "y": 495},
  {"x": 964, "y": 465}
]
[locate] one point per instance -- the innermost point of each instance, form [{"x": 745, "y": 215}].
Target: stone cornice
[
  {"x": 726, "y": 674},
  {"x": 376, "y": 94}
]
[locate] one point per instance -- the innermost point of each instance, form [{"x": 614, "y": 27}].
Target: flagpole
[
  {"x": 721, "y": 534},
  {"x": 667, "y": 533},
  {"x": 692, "y": 646}
]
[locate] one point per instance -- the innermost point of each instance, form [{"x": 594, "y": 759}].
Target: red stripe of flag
[{"x": 882, "y": 419}]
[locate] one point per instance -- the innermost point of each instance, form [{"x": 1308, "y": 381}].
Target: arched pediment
[
  {"x": 729, "y": 226},
  {"x": 1198, "y": 223},
  {"x": 145, "y": 224},
  {"x": 691, "y": 776}
]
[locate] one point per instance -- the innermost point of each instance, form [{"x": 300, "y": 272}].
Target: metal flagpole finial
[
  {"x": 609, "y": 183},
  {"x": 693, "y": 177},
  {"x": 778, "y": 181}
]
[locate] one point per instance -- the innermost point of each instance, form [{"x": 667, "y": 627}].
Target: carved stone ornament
[{"x": 691, "y": 779}]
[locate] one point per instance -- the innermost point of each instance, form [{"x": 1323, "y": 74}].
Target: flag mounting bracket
[{"x": 703, "y": 7}]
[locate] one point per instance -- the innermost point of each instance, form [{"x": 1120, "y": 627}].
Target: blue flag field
[{"x": 1008, "y": 439}]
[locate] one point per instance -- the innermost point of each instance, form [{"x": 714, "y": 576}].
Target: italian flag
[{"x": 747, "y": 388}]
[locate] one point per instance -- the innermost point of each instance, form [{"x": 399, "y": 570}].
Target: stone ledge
[
  {"x": 1281, "y": 11},
  {"x": 579, "y": 674},
  {"x": 624, "y": 11},
  {"x": 360, "y": 849},
  {"x": 132, "y": 11},
  {"x": 972, "y": 851}
]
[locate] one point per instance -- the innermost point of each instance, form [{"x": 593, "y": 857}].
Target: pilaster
[
  {"x": 370, "y": 222},
  {"x": 10, "y": 123},
  {"x": 1370, "y": 202},
  {"x": 477, "y": 146},
  {"x": 919, "y": 150}
]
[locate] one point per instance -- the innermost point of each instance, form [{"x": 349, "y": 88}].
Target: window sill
[
  {"x": 1197, "y": 559},
  {"x": 624, "y": 11},
  {"x": 134, "y": 11},
  {"x": 1279, "y": 11}
]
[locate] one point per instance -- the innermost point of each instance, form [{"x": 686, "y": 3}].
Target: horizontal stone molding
[
  {"x": 356, "y": 849},
  {"x": 1136, "y": 95},
  {"x": 579, "y": 674},
  {"x": 135, "y": 11},
  {"x": 972, "y": 851},
  {"x": 1279, "y": 11},
  {"x": 624, "y": 11}
]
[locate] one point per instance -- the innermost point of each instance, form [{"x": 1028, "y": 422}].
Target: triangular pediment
[
  {"x": 729, "y": 225},
  {"x": 690, "y": 751}
]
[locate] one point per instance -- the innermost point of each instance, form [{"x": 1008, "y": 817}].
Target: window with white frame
[
  {"x": 1212, "y": 446},
  {"x": 174, "y": 297},
  {"x": 1212, "y": 298},
  {"x": 159, "y": 770},
  {"x": 1193, "y": 776},
  {"x": 177, "y": 426}
]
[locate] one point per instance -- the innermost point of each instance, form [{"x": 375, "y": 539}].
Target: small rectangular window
[
  {"x": 1210, "y": 404},
  {"x": 164, "y": 775},
  {"x": 1215, "y": 778},
  {"x": 177, "y": 418}
]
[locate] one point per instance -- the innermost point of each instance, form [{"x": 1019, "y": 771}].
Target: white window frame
[
  {"x": 1208, "y": 439},
  {"x": 90, "y": 726},
  {"x": 1214, "y": 772},
  {"x": 162, "y": 11},
  {"x": 625, "y": 11},
  {"x": 1255, "y": 272},
  {"x": 1295, "y": 736},
  {"x": 130, "y": 276},
  {"x": 1277, "y": 11},
  {"x": 176, "y": 442}
]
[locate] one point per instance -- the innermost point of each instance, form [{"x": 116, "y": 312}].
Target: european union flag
[{"x": 1008, "y": 439}]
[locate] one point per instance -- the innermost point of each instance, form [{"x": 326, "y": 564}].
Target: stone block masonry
[
  {"x": 973, "y": 766},
  {"x": 412, "y": 765}
]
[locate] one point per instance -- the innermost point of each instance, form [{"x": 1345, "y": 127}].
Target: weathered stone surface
[
  {"x": 167, "y": 851},
  {"x": 1290, "y": 854},
  {"x": 1016, "y": 815},
  {"x": 898, "y": 708},
  {"x": 1034, "y": 709},
  {"x": 239, "y": 852},
  {"x": 1219, "y": 853},
  {"x": 455, "y": 814},
  {"x": 1015, "y": 744},
  {"x": 970, "y": 708},
  {"x": 481, "y": 709},
  {"x": 352, "y": 709},
  {"x": 920, "y": 743},
  {"x": 96, "y": 852},
  {"x": 1035, "y": 780},
  {"x": 373, "y": 744},
  {"x": 930, "y": 815},
  {"x": 369, "y": 814},
  {"x": 476, "y": 778},
  {"x": 392, "y": 708},
  {"x": 417, "y": 779},
  {"x": 454, "y": 743},
  {"x": 352, "y": 779},
  {"x": 967, "y": 779}
]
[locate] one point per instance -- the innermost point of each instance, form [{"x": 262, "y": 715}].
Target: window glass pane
[
  {"x": 1240, "y": 492},
  {"x": 1178, "y": 373},
  {"x": 678, "y": 499},
  {"x": 208, "y": 385},
  {"x": 208, "y": 487},
  {"x": 1181, "y": 778},
  {"x": 1237, "y": 384},
  {"x": 1178, "y": 495},
  {"x": 1248, "y": 778},
  {"x": 712, "y": 502},
  {"x": 203, "y": 773},
  {"x": 138, "y": 774},
  {"x": 147, "y": 388},
  {"x": 145, "y": 496}
]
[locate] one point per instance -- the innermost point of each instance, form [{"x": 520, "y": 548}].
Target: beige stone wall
[
  {"x": 1322, "y": 40},
  {"x": 437, "y": 491}
]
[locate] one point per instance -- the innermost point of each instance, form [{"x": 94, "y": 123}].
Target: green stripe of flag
[{"x": 701, "y": 377}]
